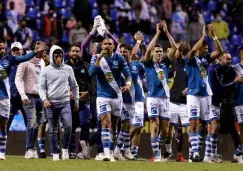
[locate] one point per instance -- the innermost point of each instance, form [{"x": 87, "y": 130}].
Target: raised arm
[
  {"x": 116, "y": 42},
  {"x": 138, "y": 37},
  {"x": 173, "y": 45},
  {"x": 151, "y": 45},
  {"x": 196, "y": 47},
  {"x": 219, "y": 48}
]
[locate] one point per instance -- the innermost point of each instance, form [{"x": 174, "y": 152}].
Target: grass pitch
[{"x": 21, "y": 164}]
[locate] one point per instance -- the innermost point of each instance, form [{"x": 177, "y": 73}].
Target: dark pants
[
  {"x": 16, "y": 104},
  {"x": 227, "y": 122},
  {"x": 62, "y": 111},
  {"x": 81, "y": 119},
  {"x": 33, "y": 112}
]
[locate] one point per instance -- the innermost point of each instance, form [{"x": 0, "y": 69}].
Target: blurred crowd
[{"x": 65, "y": 22}]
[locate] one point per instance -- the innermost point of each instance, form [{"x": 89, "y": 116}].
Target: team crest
[
  {"x": 161, "y": 75},
  {"x": 109, "y": 76},
  {"x": 115, "y": 62},
  {"x": 134, "y": 68},
  {"x": 204, "y": 73}
]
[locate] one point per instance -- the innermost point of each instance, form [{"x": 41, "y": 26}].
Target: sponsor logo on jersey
[
  {"x": 115, "y": 62},
  {"x": 161, "y": 75},
  {"x": 204, "y": 73},
  {"x": 103, "y": 108},
  {"x": 109, "y": 76}
]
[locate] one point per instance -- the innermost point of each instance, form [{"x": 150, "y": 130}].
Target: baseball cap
[{"x": 16, "y": 45}]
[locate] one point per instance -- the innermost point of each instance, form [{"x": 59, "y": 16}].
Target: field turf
[{"x": 14, "y": 163}]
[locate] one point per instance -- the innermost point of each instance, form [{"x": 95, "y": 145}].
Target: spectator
[
  {"x": 179, "y": 24},
  {"x": 20, "y": 6},
  {"x": 77, "y": 34},
  {"x": 50, "y": 25},
  {"x": 24, "y": 35},
  {"x": 221, "y": 30},
  {"x": 13, "y": 17},
  {"x": 105, "y": 14},
  {"x": 167, "y": 7},
  {"x": 71, "y": 23}
]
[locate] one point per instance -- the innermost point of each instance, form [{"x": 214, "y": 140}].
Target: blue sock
[
  {"x": 239, "y": 150},
  {"x": 106, "y": 138},
  {"x": 126, "y": 136},
  {"x": 194, "y": 142},
  {"x": 41, "y": 142},
  {"x": 120, "y": 140},
  {"x": 214, "y": 142},
  {"x": 3, "y": 141},
  {"x": 208, "y": 147},
  {"x": 134, "y": 151},
  {"x": 155, "y": 146}
]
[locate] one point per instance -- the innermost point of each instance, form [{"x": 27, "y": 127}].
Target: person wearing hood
[
  {"x": 56, "y": 82},
  {"x": 26, "y": 81}
]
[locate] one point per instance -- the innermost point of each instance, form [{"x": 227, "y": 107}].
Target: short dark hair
[
  {"x": 75, "y": 45},
  {"x": 184, "y": 47},
  {"x": 158, "y": 45},
  {"x": 241, "y": 48},
  {"x": 204, "y": 43},
  {"x": 223, "y": 53},
  {"x": 58, "y": 51},
  {"x": 126, "y": 46},
  {"x": 2, "y": 41}
]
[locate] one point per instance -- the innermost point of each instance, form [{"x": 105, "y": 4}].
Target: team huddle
[{"x": 62, "y": 94}]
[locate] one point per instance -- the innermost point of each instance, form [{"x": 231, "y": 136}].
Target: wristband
[
  {"x": 129, "y": 83},
  {"x": 93, "y": 31},
  {"x": 139, "y": 41},
  {"x": 215, "y": 38}
]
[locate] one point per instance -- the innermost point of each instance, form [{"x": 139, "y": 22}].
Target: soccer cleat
[
  {"x": 190, "y": 159},
  {"x": 137, "y": 158},
  {"x": 86, "y": 149},
  {"x": 80, "y": 155},
  {"x": 166, "y": 157},
  {"x": 157, "y": 159},
  {"x": 128, "y": 155},
  {"x": 65, "y": 155},
  {"x": 216, "y": 159},
  {"x": 99, "y": 157},
  {"x": 42, "y": 155},
  {"x": 196, "y": 158},
  {"x": 35, "y": 153},
  {"x": 118, "y": 156},
  {"x": 2, "y": 156},
  {"x": 72, "y": 156},
  {"x": 106, "y": 155},
  {"x": 207, "y": 160},
  {"x": 237, "y": 159},
  {"x": 55, "y": 157},
  {"x": 29, "y": 154},
  {"x": 112, "y": 159},
  {"x": 180, "y": 158}
]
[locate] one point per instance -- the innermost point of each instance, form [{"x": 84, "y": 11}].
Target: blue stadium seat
[
  {"x": 146, "y": 38},
  {"x": 66, "y": 13},
  {"x": 235, "y": 60},
  {"x": 114, "y": 14},
  {"x": 95, "y": 12},
  {"x": 93, "y": 4},
  {"x": 29, "y": 3},
  {"x": 38, "y": 24},
  {"x": 208, "y": 16},
  {"x": 236, "y": 40},
  {"x": 71, "y": 3},
  {"x": 38, "y": 3},
  {"x": 212, "y": 5},
  {"x": 65, "y": 38},
  {"x": 36, "y": 35},
  {"x": 60, "y": 3},
  {"x": 33, "y": 13},
  {"x": 128, "y": 37}
]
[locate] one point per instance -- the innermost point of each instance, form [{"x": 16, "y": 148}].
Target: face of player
[
  {"x": 58, "y": 58},
  {"x": 157, "y": 54},
  {"x": 46, "y": 57},
  {"x": 75, "y": 53},
  {"x": 167, "y": 51},
  {"x": 126, "y": 53},
  {"x": 17, "y": 52},
  {"x": 108, "y": 45},
  {"x": 241, "y": 54},
  {"x": 226, "y": 60},
  {"x": 203, "y": 50},
  {"x": 2, "y": 50}
]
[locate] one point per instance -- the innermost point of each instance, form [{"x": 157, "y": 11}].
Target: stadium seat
[
  {"x": 93, "y": 4},
  {"x": 36, "y": 35},
  {"x": 71, "y": 3},
  {"x": 208, "y": 17},
  {"x": 65, "y": 38},
  {"x": 38, "y": 24},
  {"x": 236, "y": 40},
  {"x": 95, "y": 12},
  {"x": 146, "y": 38},
  {"x": 33, "y": 13},
  {"x": 60, "y": 3},
  {"x": 29, "y": 3},
  {"x": 235, "y": 60},
  {"x": 128, "y": 37},
  {"x": 66, "y": 13},
  {"x": 114, "y": 14},
  {"x": 212, "y": 5}
]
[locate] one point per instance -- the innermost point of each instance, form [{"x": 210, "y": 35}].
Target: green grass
[{"x": 20, "y": 164}]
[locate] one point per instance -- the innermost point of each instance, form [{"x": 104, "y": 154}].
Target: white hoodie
[{"x": 55, "y": 81}]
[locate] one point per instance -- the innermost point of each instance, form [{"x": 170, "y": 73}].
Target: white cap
[{"x": 17, "y": 45}]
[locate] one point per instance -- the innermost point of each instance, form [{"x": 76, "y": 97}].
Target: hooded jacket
[{"x": 56, "y": 81}]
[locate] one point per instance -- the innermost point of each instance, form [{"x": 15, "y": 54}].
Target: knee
[
  {"x": 106, "y": 123},
  {"x": 154, "y": 125},
  {"x": 194, "y": 126},
  {"x": 126, "y": 125}
]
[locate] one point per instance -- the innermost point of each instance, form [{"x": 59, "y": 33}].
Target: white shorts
[
  {"x": 239, "y": 114},
  {"x": 138, "y": 117},
  {"x": 214, "y": 113},
  {"x": 198, "y": 107},
  {"x": 158, "y": 107},
  {"x": 108, "y": 105},
  {"x": 127, "y": 111},
  {"x": 179, "y": 111},
  {"x": 5, "y": 108}
]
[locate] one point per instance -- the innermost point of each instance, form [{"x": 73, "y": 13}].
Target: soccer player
[
  {"x": 178, "y": 109},
  {"x": 81, "y": 118},
  {"x": 16, "y": 102},
  {"x": 56, "y": 80},
  {"x": 199, "y": 92},
  {"x": 107, "y": 67},
  {"x": 27, "y": 80},
  {"x": 6, "y": 62},
  {"x": 158, "y": 93}
]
